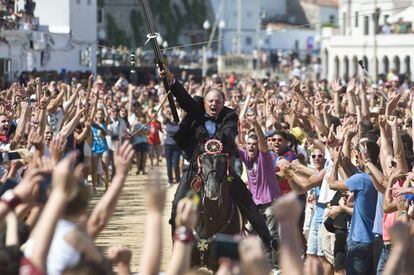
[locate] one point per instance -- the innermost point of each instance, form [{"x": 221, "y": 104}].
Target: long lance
[{"x": 152, "y": 37}]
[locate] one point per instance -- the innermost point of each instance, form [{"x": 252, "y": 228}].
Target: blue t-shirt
[
  {"x": 99, "y": 144},
  {"x": 320, "y": 207},
  {"x": 140, "y": 139},
  {"x": 365, "y": 201},
  {"x": 377, "y": 229}
]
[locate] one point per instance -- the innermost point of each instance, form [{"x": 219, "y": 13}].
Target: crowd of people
[
  {"x": 177, "y": 57},
  {"x": 400, "y": 27},
  {"x": 12, "y": 18},
  {"x": 327, "y": 172}
]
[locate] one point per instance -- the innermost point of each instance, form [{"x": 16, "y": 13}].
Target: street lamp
[
  {"x": 221, "y": 26},
  {"x": 159, "y": 39},
  {"x": 206, "y": 27},
  {"x": 165, "y": 44}
]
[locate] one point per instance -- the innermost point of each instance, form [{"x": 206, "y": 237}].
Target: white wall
[
  {"x": 250, "y": 20},
  {"x": 73, "y": 27},
  {"x": 325, "y": 12},
  {"x": 54, "y": 13},
  {"x": 286, "y": 40}
]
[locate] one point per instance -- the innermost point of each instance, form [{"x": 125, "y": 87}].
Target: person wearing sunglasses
[{"x": 303, "y": 180}]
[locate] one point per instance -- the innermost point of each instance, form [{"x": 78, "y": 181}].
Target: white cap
[{"x": 282, "y": 84}]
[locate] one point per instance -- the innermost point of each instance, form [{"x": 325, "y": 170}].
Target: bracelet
[
  {"x": 183, "y": 234},
  {"x": 11, "y": 199}
]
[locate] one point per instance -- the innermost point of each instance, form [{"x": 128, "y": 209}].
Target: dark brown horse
[{"x": 218, "y": 212}]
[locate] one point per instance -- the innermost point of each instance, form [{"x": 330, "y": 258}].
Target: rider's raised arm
[{"x": 187, "y": 103}]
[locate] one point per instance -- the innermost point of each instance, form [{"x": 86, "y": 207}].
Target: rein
[{"x": 153, "y": 116}]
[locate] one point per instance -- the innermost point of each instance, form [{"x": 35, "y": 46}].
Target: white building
[
  {"x": 242, "y": 21},
  {"x": 64, "y": 39},
  {"x": 243, "y": 31},
  {"x": 356, "y": 40}
]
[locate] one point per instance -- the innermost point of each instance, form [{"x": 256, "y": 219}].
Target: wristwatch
[
  {"x": 11, "y": 199},
  {"x": 183, "y": 234}
]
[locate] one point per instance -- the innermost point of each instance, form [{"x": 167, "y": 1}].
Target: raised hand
[
  {"x": 186, "y": 214},
  {"x": 287, "y": 209},
  {"x": 122, "y": 158},
  {"x": 155, "y": 198},
  {"x": 337, "y": 154},
  {"x": 57, "y": 147},
  {"x": 66, "y": 177},
  {"x": 36, "y": 140},
  {"x": 392, "y": 104},
  {"x": 25, "y": 189},
  {"x": 252, "y": 257},
  {"x": 351, "y": 86},
  {"x": 119, "y": 254},
  {"x": 295, "y": 85},
  {"x": 337, "y": 87}
]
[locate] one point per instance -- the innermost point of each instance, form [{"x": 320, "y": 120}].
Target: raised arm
[
  {"x": 334, "y": 183},
  {"x": 24, "y": 117},
  {"x": 399, "y": 151},
  {"x": 187, "y": 103},
  {"x": 63, "y": 184},
  {"x": 70, "y": 127},
  {"x": 185, "y": 221},
  {"x": 54, "y": 103},
  {"x": 258, "y": 130},
  {"x": 104, "y": 209},
  {"x": 287, "y": 211},
  {"x": 67, "y": 105},
  {"x": 151, "y": 257},
  {"x": 386, "y": 147}
]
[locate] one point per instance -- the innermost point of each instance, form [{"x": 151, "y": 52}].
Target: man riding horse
[{"x": 208, "y": 119}]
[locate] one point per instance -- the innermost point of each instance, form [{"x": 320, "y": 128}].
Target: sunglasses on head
[
  {"x": 393, "y": 164},
  {"x": 317, "y": 156}
]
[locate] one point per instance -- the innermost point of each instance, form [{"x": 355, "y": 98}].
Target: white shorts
[{"x": 87, "y": 150}]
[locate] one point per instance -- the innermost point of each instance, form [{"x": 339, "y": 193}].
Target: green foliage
[
  {"x": 115, "y": 35},
  {"x": 174, "y": 19},
  {"x": 137, "y": 22}
]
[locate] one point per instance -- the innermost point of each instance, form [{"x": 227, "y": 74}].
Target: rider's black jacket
[{"x": 192, "y": 134}]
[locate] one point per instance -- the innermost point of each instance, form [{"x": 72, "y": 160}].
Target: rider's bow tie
[{"x": 208, "y": 118}]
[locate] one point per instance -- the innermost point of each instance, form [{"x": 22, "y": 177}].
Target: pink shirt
[{"x": 389, "y": 219}]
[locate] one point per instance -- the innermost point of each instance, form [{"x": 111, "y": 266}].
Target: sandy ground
[{"x": 127, "y": 226}]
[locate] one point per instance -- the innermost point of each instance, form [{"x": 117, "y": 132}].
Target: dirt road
[{"x": 127, "y": 226}]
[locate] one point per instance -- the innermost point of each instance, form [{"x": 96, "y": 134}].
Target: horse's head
[{"x": 214, "y": 171}]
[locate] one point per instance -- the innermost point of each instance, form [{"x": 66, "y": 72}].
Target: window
[
  {"x": 332, "y": 18},
  {"x": 366, "y": 25},
  {"x": 89, "y": 2},
  {"x": 248, "y": 41},
  {"x": 78, "y": 2},
  {"x": 249, "y": 14},
  {"x": 100, "y": 15},
  {"x": 356, "y": 19}
]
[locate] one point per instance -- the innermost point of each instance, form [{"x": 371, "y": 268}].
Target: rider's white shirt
[{"x": 211, "y": 127}]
